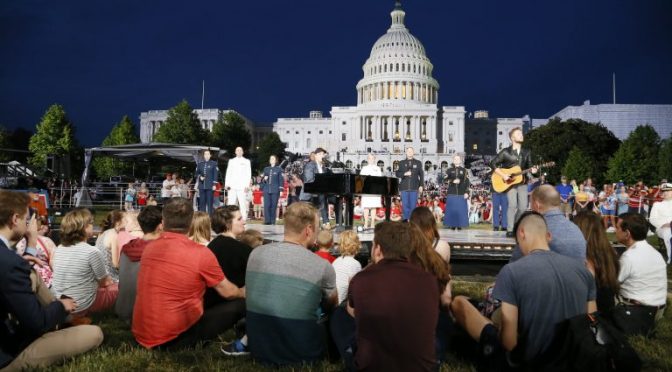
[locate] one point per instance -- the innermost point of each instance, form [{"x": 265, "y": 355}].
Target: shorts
[
  {"x": 607, "y": 212},
  {"x": 565, "y": 208},
  {"x": 257, "y": 208}
]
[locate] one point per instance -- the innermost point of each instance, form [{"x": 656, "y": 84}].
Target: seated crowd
[{"x": 182, "y": 278}]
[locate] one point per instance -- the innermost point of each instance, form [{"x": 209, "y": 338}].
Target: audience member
[
  {"x": 288, "y": 286},
  {"x": 346, "y": 266},
  {"x": 643, "y": 278},
  {"x": 252, "y": 238},
  {"x": 131, "y": 229},
  {"x": 174, "y": 273},
  {"x": 79, "y": 268},
  {"x": 27, "y": 336},
  {"x": 566, "y": 194},
  {"x": 325, "y": 240},
  {"x": 424, "y": 219},
  {"x": 601, "y": 260},
  {"x": 538, "y": 292},
  {"x": 44, "y": 251},
  {"x": 566, "y": 238},
  {"x": 387, "y": 332},
  {"x": 200, "y": 228},
  {"x": 129, "y": 262},
  {"x": 232, "y": 255},
  {"x": 108, "y": 243},
  {"x": 661, "y": 217}
]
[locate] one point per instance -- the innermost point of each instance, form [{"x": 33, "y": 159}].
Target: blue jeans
[
  {"x": 270, "y": 207},
  {"x": 408, "y": 201},
  {"x": 499, "y": 200}
]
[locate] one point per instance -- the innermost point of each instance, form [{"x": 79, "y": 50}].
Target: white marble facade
[{"x": 396, "y": 108}]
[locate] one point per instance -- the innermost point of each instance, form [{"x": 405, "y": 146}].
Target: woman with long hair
[
  {"x": 108, "y": 241},
  {"x": 199, "y": 230},
  {"x": 601, "y": 259},
  {"x": 424, "y": 219}
]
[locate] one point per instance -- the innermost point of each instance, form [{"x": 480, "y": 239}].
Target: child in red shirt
[
  {"x": 257, "y": 196},
  {"x": 325, "y": 240}
]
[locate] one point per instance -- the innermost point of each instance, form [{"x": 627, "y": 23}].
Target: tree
[
  {"x": 637, "y": 158},
  {"x": 578, "y": 166},
  {"x": 665, "y": 160},
  {"x": 230, "y": 132},
  {"x": 182, "y": 126},
  {"x": 54, "y": 135},
  {"x": 555, "y": 140},
  {"x": 121, "y": 134},
  {"x": 270, "y": 145},
  {"x": 4, "y": 144}
]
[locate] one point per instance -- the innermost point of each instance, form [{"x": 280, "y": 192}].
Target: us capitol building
[{"x": 397, "y": 107}]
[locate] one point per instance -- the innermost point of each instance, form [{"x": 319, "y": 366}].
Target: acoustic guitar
[{"x": 516, "y": 176}]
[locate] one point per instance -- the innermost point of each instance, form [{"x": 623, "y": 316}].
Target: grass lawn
[{"x": 120, "y": 352}]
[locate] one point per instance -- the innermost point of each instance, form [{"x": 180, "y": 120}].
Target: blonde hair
[
  {"x": 298, "y": 216},
  {"x": 73, "y": 226},
  {"x": 199, "y": 230},
  {"x": 348, "y": 243},
  {"x": 253, "y": 238},
  {"x": 325, "y": 239}
]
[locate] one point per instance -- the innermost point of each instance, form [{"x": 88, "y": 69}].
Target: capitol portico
[{"x": 396, "y": 108}]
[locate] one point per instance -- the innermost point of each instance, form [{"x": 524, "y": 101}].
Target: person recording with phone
[{"x": 412, "y": 179}]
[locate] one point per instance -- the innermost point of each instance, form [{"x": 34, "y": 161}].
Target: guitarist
[{"x": 509, "y": 157}]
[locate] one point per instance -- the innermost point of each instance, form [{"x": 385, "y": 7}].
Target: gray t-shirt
[
  {"x": 77, "y": 270},
  {"x": 547, "y": 288}
]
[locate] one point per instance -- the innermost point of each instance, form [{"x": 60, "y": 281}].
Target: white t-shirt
[
  {"x": 661, "y": 213},
  {"x": 166, "y": 189},
  {"x": 643, "y": 275},
  {"x": 345, "y": 267}
]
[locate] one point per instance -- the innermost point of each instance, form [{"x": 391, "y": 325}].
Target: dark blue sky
[{"x": 270, "y": 59}]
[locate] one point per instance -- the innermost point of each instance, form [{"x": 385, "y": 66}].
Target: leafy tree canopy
[
  {"x": 270, "y": 145},
  {"x": 636, "y": 158},
  {"x": 54, "y": 136},
  {"x": 230, "y": 132},
  {"x": 122, "y": 133},
  {"x": 182, "y": 126}
]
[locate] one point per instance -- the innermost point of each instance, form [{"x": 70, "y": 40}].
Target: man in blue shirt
[
  {"x": 566, "y": 192},
  {"x": 566, "y": 238}
]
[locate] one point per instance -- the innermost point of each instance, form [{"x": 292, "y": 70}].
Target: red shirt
[
  {"x": 325, "y": 255},
  {"x": 256, "y": 196},
  {"x": 174, "y": 273},
  {"x": 218, "y": 190}
]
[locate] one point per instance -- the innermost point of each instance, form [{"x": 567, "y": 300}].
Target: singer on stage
[
  {"x": 272, "y": 182},
  {"x": 320, "y": 201},
  {"x": 207, "y": 172},
  {"x": 237, "y": 182},
  {"x": 412, "y": 178},
  {"x": 456, "y": 215}
]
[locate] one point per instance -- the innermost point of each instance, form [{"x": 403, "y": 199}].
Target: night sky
[{"x": 270, "y": 59}]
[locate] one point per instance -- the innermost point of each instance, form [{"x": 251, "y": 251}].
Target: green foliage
[
  {"x": 121, "y": 134},
  {"x": 637, "y": 158},
  {"x": 555, "y": 140},
  {"x": 270, "y": 145},
  {"x": 665, "y": 160},
  {"x": 54, "y": 135},
  {"x": 578, "y": 166},
  {"x": 4, "y": 144},
  {"x": 182, "y": 126},
  {"x": 230, "y": 132}
]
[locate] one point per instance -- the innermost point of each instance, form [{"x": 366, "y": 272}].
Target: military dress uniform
[
  {"x": 272, "y": 183},
  {"x": 207, "y": 172}
]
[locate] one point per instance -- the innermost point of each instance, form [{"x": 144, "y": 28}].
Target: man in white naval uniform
[{"x": 237, "y": 182}]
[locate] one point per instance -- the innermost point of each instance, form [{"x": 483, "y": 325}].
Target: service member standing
[
  {"x": 456, "y": 215},
  {"x": 272, "y": 183},
  {"x": 206, "y": 172},
  {"x": 412, "y": 179},
  {"x": 237, "y": 182}
]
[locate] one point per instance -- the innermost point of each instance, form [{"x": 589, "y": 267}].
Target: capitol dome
[{"x": 398, "y": 68}]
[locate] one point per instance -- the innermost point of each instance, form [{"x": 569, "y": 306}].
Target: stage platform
[{"x": 466, "y": 244}]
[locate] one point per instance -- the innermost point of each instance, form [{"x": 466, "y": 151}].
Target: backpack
[{"x": 589, "y": 342}]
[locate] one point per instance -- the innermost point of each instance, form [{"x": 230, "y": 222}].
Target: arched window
[
  {"x": 385, "y": 68},
  {"x": 403, "y": 67},
  {"x": 444, "y": 165},
  {"x": 395, "y": 165},
  {"x": 348, "y": 164},
  {"x": 428, "y": 165},
  {"x": 364, "y": 163},
  {"x": 397, "y": 67},
  {"x": 380, "y": 164}
]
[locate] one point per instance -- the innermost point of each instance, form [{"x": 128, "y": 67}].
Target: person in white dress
[{"x": 369, "y": 202}]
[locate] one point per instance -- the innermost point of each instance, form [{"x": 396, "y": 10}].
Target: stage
[{"x": 467, "y": 244}]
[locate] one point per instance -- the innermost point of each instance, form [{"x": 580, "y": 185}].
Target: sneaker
[{"x": 236, "y": 348}]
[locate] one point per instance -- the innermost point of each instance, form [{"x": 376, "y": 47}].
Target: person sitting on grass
[
  {"x": 129, "y": 262},
  {"x": 392, "y": 309},
  {"x": 346, "y": 266},
  {"x": 28, "y": 311},
  {"x": 537, "y": 292},
  {"x": 108, "y": 241},
  {"x": 288, "y": 287},
  {"x": 174, "y": 273},
  {"x": 79, "y": 269},
  {"x": 252, "y": 238},
  {"x": 200, "y": 228},
  {"x": 423, "y": 218},
  {"x": 231, "y": 254},
  {"x": 643, "y": 278},
  {"x": 325, "y": 240}
]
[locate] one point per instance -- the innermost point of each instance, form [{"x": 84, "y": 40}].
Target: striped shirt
[
  {"x": 77, "y": 270},
  {"x": 345, "y": 267}
]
